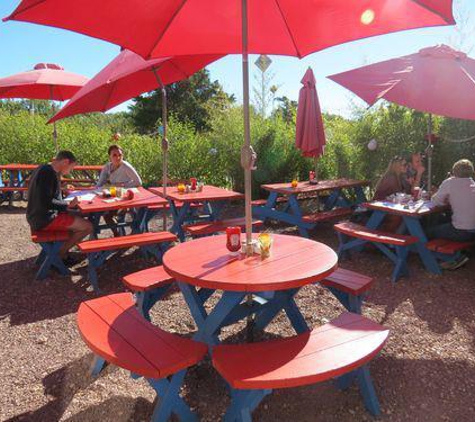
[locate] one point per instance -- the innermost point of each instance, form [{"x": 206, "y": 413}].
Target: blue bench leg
[
  {"x": 170, "y": 400},
  {"x": 49, "y": 258},
  {"x": 367, "y": 390},
  {"x": 352, "y": 303},
  {"x": 41, "y": 257},
  {"x": 98, "y": 364},
  {"x": 243, "y": 403},
  {"x": 145, "y": 300},
  {"x": 400, "y": 269}
]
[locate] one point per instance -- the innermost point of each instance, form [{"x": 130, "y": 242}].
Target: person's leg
[
  {"x": 109, "y": 218},
  {"x": 78, "y": 229},
  {"x": 449, "y": 232}
]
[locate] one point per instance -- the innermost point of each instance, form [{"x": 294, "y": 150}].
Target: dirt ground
[{"x": 426, "y": 372}]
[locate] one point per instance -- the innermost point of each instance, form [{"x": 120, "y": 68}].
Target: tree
[
  {"x": 286, "y": 109},
  {"x": 42, "y": 107},
  {"x": 190, "y": 100}
]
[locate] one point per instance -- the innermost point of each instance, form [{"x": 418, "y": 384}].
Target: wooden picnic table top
[
  {"x": 294, "y": 262},
  {"x": 142, "y": 198},
  {"x": 209, "y": 193},
  {"x": 19, "y": 167},
  {"x": 418, "y": 209},
  {"x": 307, "y": 187}
]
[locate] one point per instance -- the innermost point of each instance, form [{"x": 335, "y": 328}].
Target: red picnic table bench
[{"x": 337, "y": 205}]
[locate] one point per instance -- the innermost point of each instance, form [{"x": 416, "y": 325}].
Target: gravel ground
[{"x": 426, "y": 372}]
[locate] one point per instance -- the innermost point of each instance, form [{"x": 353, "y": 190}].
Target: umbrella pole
[
  {"x": 429, "y": 154},
  {"x": 164, "y": 141},
  {"x": 55, "y": 133},
  {"x": 246, "y": 152}
]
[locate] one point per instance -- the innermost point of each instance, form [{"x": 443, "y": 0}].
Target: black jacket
[{"x": 44, "y": 197}]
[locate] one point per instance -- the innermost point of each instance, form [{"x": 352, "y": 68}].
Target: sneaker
[{"x": 453, "y": 265}]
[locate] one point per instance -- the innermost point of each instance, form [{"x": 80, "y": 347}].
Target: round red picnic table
[
  {"x": 294, "y": 262},
  {"x": 204, "y": 265}
]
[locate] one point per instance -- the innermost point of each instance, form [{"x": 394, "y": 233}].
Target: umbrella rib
[
  {"x": 179, "y": 69},
  {"x": 288, "y": 28},
  {"x": 431, "y": 9},
  {"x": 177, "y": 11}
]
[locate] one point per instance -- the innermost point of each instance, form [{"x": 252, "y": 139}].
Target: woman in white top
[{"x": 120, "y": 173}]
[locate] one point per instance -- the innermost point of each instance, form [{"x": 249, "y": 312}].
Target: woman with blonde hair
[{"x": 391, "y": 181}]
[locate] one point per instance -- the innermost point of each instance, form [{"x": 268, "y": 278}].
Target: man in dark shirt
[{"x": 46, "y": 208}]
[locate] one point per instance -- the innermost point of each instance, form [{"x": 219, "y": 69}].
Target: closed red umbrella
[
  {"x": 438, "y": 80},
  {"x": 45, "y": 82},
  {"x": 129, "y": 75},
  {"x": 310, "y": 134},
  {"x": 177, "y": 27}
]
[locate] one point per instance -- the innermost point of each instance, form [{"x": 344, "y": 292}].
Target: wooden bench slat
[
  {"x": 178, "y": 204},
  {"x": 262, "y": 202},
  {"x": 13, "y": 189},
  {"x": 348, "y": 281},
  {"x": 122, "y": 242},
  {"x": 449, "y": 247},
  {"x": 327, "y": 352},
  {"x": 378, "y": 236},
  {"x": 114, "y": 330},
  {"x": 320, "y": 217},
  {"x": 211, "y": 227},
  {"x": 148, "y": 279}
]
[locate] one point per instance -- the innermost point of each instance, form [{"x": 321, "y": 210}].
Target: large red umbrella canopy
[
  {"x": 286, "y": 27},
  {"x": 310, "y": 134},
  {"x": 176, "y": 27},
  {"x": 128, "y": 76},
  {"x": 45, "y": 82},
  {"x": 437, "y": 80}
]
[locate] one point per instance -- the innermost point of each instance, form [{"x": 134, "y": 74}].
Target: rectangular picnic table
[
  {"x": 143, "y": 198},
  {"x": 411, "y": 223},
  {"x": 213, "y": 199},
  {"x": 291, "y": 212}
]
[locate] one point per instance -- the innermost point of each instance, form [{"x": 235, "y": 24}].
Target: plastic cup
[
  {"x": 113, "y": 191},
  {"x": 265, "y": 243}
]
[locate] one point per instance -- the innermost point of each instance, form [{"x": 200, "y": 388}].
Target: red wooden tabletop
[
  {"x": 14, "y": 167},
  {"x": 418, "y": 209},
  {"x": 307, "y": 187},
  {"x": 143, "y": 198},
  {"x": 209, "y": 193},
  {"x": 294, "y": 262}
]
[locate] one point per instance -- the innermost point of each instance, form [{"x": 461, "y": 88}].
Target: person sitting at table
[
  {"x": 458, "y": 191},
  {"x": 391, "y": 181},
  {"x": 412, "y": 177},
  {"x": 46, "y": 209},
  {"x": 120, "y": 173}
]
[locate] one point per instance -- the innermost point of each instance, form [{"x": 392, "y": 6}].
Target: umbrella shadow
[{"x": 62, "y": 385}]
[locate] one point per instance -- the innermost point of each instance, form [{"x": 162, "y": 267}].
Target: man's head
[
  {"x": 64, "y": 162},
  {"x": 463, "y": 169}
]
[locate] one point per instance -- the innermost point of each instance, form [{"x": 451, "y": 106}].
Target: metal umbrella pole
[
  {"x": 247, "y": 154},
  {"x": 164, "y": 141},
  {"x": 55, "y": 133},
  {"x": 429, "y": 154}
]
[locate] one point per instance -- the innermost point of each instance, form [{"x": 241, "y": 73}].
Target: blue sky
[{"x": 23, "y": 45}]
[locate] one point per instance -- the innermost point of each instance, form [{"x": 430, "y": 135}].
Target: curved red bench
[
  {"x": 50, "y": 242},
  {"x": 113, "y": 329},
  {"x": 341, "y": 348},
  {"x": 348, "y": 287},
  {"x": 149, "y": 286}
]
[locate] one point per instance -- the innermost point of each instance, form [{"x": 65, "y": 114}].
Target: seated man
[
  {"x": 458, "y": 191},
  {"x": 46, "y": 208}
]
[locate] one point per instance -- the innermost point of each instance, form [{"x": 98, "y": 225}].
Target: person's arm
[
  {"x": 47, "y": 185},
  {"x": 133, "y": 177},
  {"x": 103, "y": 177},
  {"x": 442, "y": 197}
]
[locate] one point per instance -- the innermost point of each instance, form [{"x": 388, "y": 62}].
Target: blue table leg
[
  {"x": 179, "y": 218},
  {"x": 429, "y": 260},
  {"x": 263, "y": 212},
  {"x": 360, "y": 195},
  {"x": 375, "y": 219},
  {"x": 296, "y": 213}
]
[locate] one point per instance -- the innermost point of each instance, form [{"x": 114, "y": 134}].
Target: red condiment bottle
[
  {"x": 193, "y": 183},
  {"x": 233, "y": 239}
]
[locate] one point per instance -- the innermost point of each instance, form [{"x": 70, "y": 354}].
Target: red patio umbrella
[
  {"x": 437, "y": 80},
  {"x": 309, "y": 134},
  {"x": 177, "y": 27},
  {"x": 129, "y": 75},
  {"x": 45, "y": 82}
]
